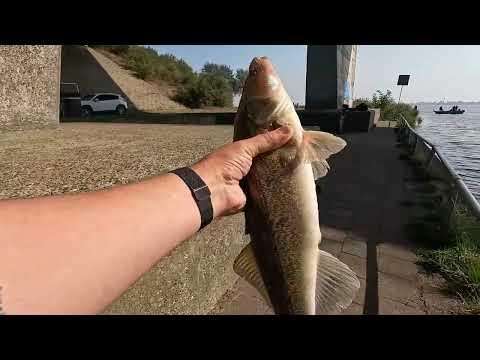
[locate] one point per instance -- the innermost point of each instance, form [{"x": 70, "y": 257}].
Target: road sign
[{"x": 403, "y": 80}]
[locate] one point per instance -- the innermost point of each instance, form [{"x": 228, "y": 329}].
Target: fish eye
[{"x": 253, "y": 72}]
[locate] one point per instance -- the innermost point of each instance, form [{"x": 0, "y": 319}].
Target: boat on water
[{"x": 452, "y": 112}]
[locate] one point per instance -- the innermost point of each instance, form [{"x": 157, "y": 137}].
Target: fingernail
[{"x": 285, "y": 129}]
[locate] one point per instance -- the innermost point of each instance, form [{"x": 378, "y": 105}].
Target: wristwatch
[{"x": 200, "y": 191}]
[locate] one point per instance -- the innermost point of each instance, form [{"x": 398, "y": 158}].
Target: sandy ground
[{"x": 87, "y": 156}]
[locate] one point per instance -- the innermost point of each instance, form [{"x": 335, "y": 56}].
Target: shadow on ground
[{"x": 360, "y": 205}]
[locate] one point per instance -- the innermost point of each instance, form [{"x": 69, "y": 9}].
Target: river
[{"x": 457, "y": 137}]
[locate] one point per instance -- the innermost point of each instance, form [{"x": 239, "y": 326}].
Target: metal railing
[{"x": 436, "y": 166}]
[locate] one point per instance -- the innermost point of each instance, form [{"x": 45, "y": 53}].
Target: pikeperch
[{"x": 283, "y": 261}]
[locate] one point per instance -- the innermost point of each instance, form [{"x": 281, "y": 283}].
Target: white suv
[{"x": 103, "y": 102}]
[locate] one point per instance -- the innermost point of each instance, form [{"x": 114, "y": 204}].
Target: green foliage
[
  {"x": 213, "y": 86},
  {"x": 236, "y": 80},
  {"x": 389, "y": 109},
  {"x": 240, "y": 77},
  {"x": 209, "y": 89},
  {"x": 391, "y": 112},
  {"x": 459, "y": 259},
  {"x": 149, "y": 65},
  {"x": 359, "y": 101},
  {"x": 382, "y": 100},
  {"x": 116, "y": 49},
  {"x": 460, "y": 266},
  {"x": 220, "y": 70}
]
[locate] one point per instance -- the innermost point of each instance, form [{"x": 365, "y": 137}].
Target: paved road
[{"x": 362, "y": 223}]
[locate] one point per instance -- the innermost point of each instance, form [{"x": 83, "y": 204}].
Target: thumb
[{"x": 268, "y": 141}]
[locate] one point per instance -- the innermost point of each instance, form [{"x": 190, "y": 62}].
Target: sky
[{"x": 450, "y": 72}]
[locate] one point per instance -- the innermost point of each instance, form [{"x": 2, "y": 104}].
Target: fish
[{"x": 283, "y": 260}]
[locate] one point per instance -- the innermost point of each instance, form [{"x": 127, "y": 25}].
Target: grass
[
  {"x": 450, "y": 240},
  {"x": 454, "y": 252}
]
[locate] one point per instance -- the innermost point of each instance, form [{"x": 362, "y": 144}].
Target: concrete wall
[
  {"x": 330, "y": 76},
  {"x": 321, "y": 84},
  {"x": 193, "y": 278},
  {"x": 29, "y": 86}
]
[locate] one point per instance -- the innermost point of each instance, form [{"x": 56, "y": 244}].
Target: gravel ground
[{"x": 88, "y": 156}]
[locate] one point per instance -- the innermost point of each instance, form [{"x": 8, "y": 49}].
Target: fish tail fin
[
  {"x": 336, "y": 285},
  {"x": 317, "y": 147},
  {"x": 247, "y": 268}
]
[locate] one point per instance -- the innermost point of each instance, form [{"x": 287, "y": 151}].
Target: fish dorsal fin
[
  {"x": 317, "y": 147},
  {"x": 245, "y": 265},
  {"x": 336, "y": 286}
]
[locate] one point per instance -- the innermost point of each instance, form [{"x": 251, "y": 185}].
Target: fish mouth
[
  {"x": 256, "y": 63},
  {"x": 262, "y": 81}
]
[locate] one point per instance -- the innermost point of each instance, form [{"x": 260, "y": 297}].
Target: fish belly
[{"x": 289, "y": 203}]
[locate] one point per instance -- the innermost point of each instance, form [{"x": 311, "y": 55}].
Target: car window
[
  {"x": 88, "y": 97},
  {"x": 110, "y": 97},
  {"x": 102, "y": 97}
]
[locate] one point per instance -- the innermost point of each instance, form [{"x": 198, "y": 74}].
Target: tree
[
  {"x": 216, "y": 90},
  {"x": 382, "y": 100},
  {"x": 220, "y": 70},
  {"x": 208, "y": 89},
  {"x": 390, "y": 110},
  {"x": 240, "y": 77}
]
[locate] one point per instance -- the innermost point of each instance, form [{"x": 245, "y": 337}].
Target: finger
[{"x": 268, "y": 141}]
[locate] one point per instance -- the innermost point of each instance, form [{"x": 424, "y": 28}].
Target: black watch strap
[{"x": 200, "y": 192}]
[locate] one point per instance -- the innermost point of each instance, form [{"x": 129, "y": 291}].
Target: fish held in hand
[{"x": 283, "y": 261}]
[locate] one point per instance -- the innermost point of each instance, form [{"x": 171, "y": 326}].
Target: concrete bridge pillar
[
  {"x": 330, "y": 76},
  {"x": 29, "y": 86}
]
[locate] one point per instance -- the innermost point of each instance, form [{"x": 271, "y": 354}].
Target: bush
[
  {"x": 389, "y": 109},
  {"x": 116, "y": 49},
  {"x": 147, "y": 64},
  {"x": 212, "y": 87},
  {"x": 189, "y": 95},
  {"x": 206, "y": 90},
  {"x": 391, "y": 112},
  {"x": 141, "y": 61}
]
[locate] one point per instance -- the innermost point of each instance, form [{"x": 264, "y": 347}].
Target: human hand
[{"x": 223, "y": 169}]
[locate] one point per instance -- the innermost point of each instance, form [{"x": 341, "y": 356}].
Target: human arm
[{"x": 75, "y": 254}]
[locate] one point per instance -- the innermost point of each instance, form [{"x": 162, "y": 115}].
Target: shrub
[
  {"x": 389, "y": 109},
  {"x": 212, "y": 87},
  {"x": 206, "y": 90},
  {"x": 116, "y": 49}
]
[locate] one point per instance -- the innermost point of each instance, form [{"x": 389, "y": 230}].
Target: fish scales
[{"x": 283, "y": 260}]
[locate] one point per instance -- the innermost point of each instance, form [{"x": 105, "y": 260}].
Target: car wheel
[
  {"x": 121, "y": 110},
  {"x": 86, "y": 112}
]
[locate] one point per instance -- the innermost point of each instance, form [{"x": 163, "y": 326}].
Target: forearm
[{"x": 77, "y": 253}]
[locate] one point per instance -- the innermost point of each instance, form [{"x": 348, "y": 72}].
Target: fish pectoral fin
[
  {"x": 320, "y": 169},
  {"x": 336, "y": 285},
  {"x": 245, "y": 265},
  {"x": 317, "y": 147}
]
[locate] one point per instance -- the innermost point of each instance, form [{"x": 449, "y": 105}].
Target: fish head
[
  {"x": 262, "y": 81},
  {"x": 264, "y": 97}
]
